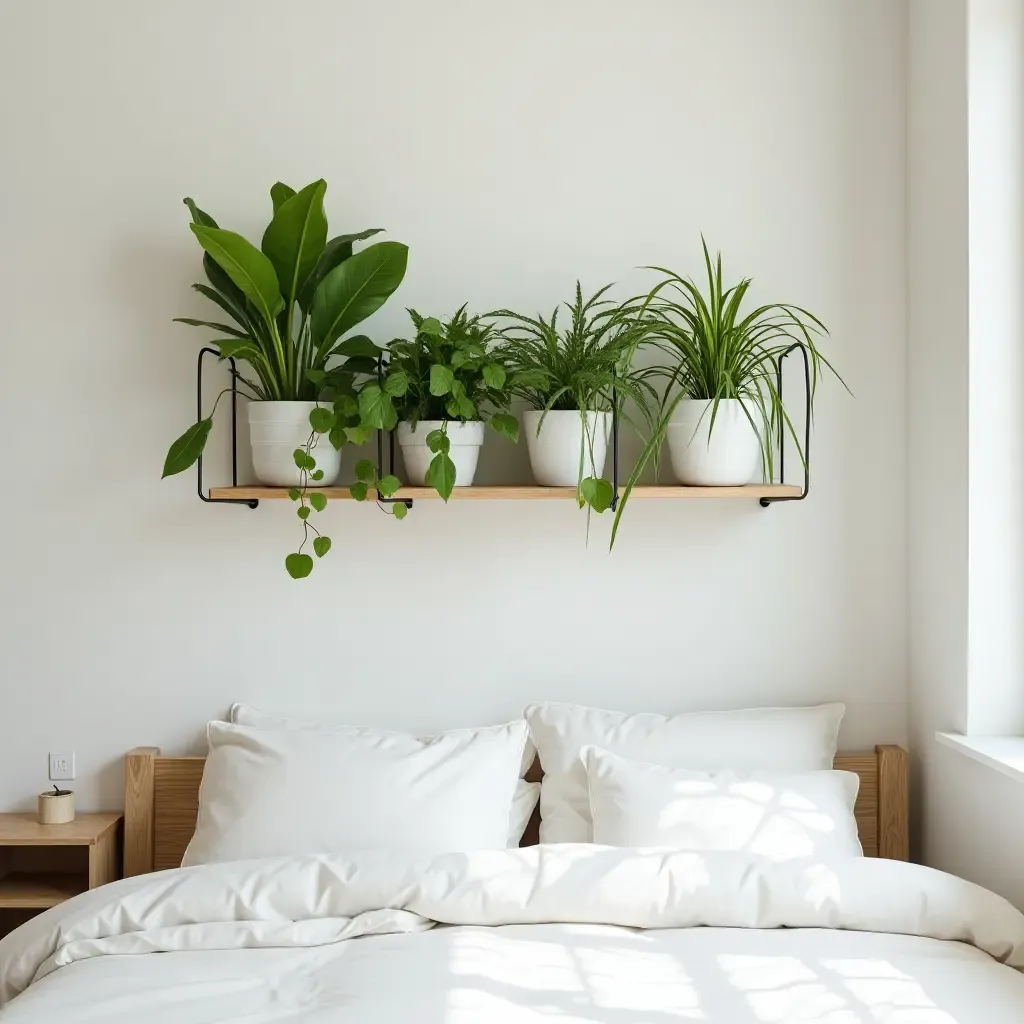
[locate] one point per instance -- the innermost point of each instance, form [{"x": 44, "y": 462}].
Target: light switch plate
[{"x": 62, "y": 766}]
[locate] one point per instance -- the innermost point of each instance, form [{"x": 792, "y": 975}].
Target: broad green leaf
[
  {"x": 441, "y": 475},
  {"x": 359, "y": 434},
  {"x": 530, "y": 379},
  {"x": 358, "y": 491},
  {"x": 366, "y": 471},
  {"x": 316, "y": 376},
  {"x": 225, "y": 328},
  {"x": 346, "y": 405},
  {"x": 239, "y": 348},
  {"x": 467, "y": 410},
  {"x": 360, "y": 364},
  {"x": 321, "y": 545},
  {"x": 399, "y": 510},
  {"x": 303, "y": 513},
  {"x": 296, "y": 236},
  {"x": 280, "y": 193},
  {"x": 187, "y": 449},
  {"x": 357, "y": 345},
  {"x": 199, "y": 216},
  {"x": 321, "y": 419},
  {"x": 597, "y": 493},
  {"x": 337, "y": 437},
  {"x": 437, "y": 441},
  {"x": 494, "y": 376},
  {"x": 388, "y": 485},
  {"x": 318, "y": 501},
  {"x": 431, "y": 326},
  {"x": 336, "y": 251},
  {"x": 317, "y": 474},
  {"x": 232, "y": 301},
  {"x": 376, "y": 409},
  {"x": 505, "y": 424},
  {"x": 294, "y": 493},
  {"x": 441, "y": 379},
  {"x": 298, "y": 566},
  {"x": 247, "y": 267},
  {"x": 299, "y": 457},
  {"x": 396, "y": 383},
  {"x": 355, "y": 289}
]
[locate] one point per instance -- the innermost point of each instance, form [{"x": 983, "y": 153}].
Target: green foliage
[
  {"x": 585, "y": 366},
  {"x": 714, "y": 350},
  {"x": 290, "y": 302},
  {"x": 386, "y": 487}
]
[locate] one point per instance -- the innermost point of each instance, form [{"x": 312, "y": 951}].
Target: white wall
[
  {"x": 514, "y": 147},
  {"x": 963, "y": 216}
]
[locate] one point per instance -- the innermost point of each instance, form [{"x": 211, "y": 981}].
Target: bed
[{"x": 559, "y": 933}]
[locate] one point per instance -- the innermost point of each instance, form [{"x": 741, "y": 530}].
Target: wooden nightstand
[{"x": 43, "y": 865}]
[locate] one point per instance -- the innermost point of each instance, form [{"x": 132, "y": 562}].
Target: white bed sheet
[
  {"x": 559, "y": 934},
  {"x": 545, "y": 974}
]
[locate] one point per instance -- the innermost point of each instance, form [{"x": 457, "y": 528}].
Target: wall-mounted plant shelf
[{"x": 755, "y": 492}]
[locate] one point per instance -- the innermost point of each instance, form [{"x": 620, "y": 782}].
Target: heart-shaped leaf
[
  {"x": 441, "y": 379},
  {"x": 318, "y": 501},
  {"x": 321, "y": 545},
  {"x": 431, "y": 326},
  {"x": 359, "y": 434},
  {"x": 399, "y": 510},
  {"x": 187, "y": 449},
  {"x": 294, "y": 493},
  {"x": 505, "y": 424},
  {"x": 437, "y": 441},
  {"x": 376, "y": 409},
  {"x": 597, "y": 493},
  {"x": 387, "y": 485},
  {"x": 321, "y": 419},
  {"x": 441, "y": 475},
  {"x": 494, "y": 376},
  {"x": 303, "y": 512},
  {"x": 298, "y": 566},
  {"x": 366, "y": 471},
  {"x": 317, "y": 474},
  {"x": 396, "y": 383},
  {"x": 358, "y": 491}
]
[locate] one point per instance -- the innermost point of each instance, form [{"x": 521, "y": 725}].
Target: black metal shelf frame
[{"x": 408, "y": 502}]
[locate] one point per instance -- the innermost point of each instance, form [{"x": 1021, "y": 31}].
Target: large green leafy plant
[
  {"x": 583, "y": 366},
  {"x": 716, "y": 350},
  {"x": 290, "y": 303},
  {"x": 449, "y": 371}
]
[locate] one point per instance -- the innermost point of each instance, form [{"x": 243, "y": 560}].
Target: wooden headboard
[{"x": 162, "y": 800}]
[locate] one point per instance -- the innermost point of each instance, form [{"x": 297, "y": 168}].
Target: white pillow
[
  {"x": 272, "y": 793},
  {"x": 758, "y": 739},
  {"x": 524, "y": 799},
  {"x": 777, "y": 815}
]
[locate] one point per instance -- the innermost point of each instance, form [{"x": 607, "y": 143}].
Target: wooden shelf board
[
  {"x": 85, "y": 830},
  {"x": 750, "y": 492},
  {"x": 29, "y": 891}
]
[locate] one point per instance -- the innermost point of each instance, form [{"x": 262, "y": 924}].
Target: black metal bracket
[
  {"x": 407, "y": 502},
  {"x": 796, "y": 346},
  {"x": 250, "y": 502}
]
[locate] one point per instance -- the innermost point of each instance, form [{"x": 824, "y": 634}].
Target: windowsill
[{"x": 1003, "y": 753}]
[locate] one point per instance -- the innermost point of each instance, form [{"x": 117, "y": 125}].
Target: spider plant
[
  {"x": 583, "y": 366},
  {"x": 715, "y": 351}
]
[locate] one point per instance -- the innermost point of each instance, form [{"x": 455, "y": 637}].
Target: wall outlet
[{"x": 62, "y": 766}]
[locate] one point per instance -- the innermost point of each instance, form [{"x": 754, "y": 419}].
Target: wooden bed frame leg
[
  {"x": 138, "y": 810},
  {"x": 893, "y": 818}
]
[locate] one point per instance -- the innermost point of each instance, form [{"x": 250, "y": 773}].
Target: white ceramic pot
[
  {"x": 276, "y": 429},
  {"x": 730, "y": 457},
  {"x": 555, "y": 452},
  {"x": 465, "y": 440}
]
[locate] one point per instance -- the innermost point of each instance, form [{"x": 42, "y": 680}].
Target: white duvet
[{"x": 559, "y": 934}]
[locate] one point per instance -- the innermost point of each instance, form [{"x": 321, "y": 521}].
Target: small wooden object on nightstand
[{"x": 43, "y": 865}]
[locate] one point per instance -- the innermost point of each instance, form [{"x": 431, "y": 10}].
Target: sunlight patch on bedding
[
  {"x": 521, "y": 963},
  {"x": 638, "y": 981},
  {"x": 892, "y": 995},
  {"x": 750, "y": 815}
]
